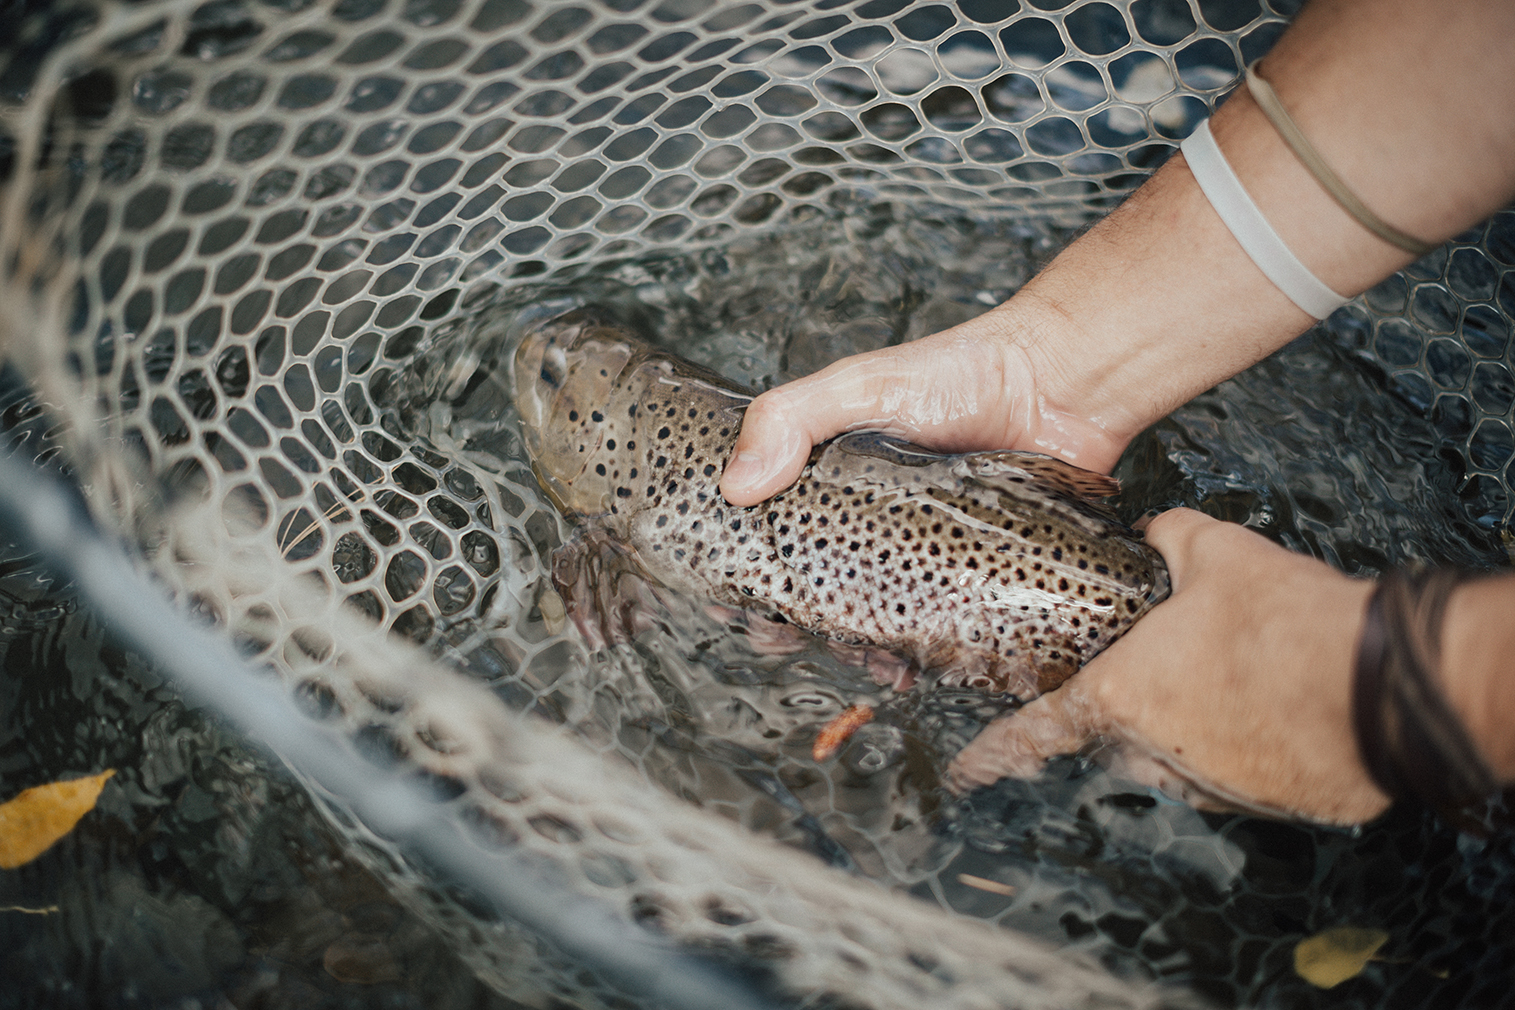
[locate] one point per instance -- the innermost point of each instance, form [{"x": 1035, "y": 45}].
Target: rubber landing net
[{"x": 241, "y": 240}]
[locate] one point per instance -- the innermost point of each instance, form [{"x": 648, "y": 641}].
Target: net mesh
[{"x": 258, "y": 254}]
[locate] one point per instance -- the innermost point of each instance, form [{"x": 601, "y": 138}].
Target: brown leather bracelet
[{"x": 1411, "y": 742}]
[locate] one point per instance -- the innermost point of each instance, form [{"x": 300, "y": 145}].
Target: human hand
[
  {"x": 975, "y": 386},
  {"x": 1240, "y": 683}
]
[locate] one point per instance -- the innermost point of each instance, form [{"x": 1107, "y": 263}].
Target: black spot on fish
[
  {"x": 596, "y": 416},
  {"x": 709, "y": 469},
  {"x": 623, "y": 492},
  {"x": 599, "y": 468},
  {"x": 663, "y": 432},
  {"x": 573, "y": 415}
]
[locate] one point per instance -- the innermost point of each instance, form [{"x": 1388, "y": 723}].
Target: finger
[
  {"x": 1020, "y": 743},
  {"x": 782, "y": 425},
  {"x": 775, "y": 440},
  {"x": 1177, "y": 533},
  {"x": 945, "y": 391}
]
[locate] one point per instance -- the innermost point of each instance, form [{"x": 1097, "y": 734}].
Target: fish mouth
[{"x": 532, "y": 371}]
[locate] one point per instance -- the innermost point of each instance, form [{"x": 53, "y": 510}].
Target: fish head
[{"x": 566, "y": 376}]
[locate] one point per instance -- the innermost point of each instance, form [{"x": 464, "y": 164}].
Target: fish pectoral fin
[
  {"x": 604, "y": 589},
  {"x": 1011, "y": 469}
]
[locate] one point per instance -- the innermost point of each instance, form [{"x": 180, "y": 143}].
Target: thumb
[
  {"x": 777, "y": 433},
  {"x": 1019, "y": 743}
]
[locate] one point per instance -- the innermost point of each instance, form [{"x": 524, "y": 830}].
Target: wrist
[
  {"x": 1066, "y": 415},
  {"x": 1427, "y": 695},
  {"x": 1478, "y": 651}
]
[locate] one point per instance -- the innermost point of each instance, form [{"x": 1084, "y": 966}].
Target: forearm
[{"x": 1408, "y": 100}]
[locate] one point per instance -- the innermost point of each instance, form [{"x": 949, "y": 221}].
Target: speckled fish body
[{"x": 995, "y": 570}]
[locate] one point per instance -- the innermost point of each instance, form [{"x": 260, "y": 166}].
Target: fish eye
[{"x": 552, "y": 378}]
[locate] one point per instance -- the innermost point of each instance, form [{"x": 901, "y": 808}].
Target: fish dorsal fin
[{"x": 1013, "y": 468}]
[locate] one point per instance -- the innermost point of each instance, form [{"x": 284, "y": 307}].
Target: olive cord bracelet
[
  {"x": 1241, "y": 215},
  {"x": 1413, "y": 745},
  {"x": 1267, "y": 100}
]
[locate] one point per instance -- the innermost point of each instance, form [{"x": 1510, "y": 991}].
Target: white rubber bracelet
[{"x": 1235, "y": 207}]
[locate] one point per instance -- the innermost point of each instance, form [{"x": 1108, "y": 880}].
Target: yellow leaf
[
  {"x": 1331, "y": 957},
  {"x": 41, "y": 815}
]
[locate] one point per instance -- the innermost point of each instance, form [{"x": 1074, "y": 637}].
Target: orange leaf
[{"x": 41, "y": 815}]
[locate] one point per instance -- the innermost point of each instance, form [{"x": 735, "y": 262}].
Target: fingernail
[{"x": 744, "y": 470}]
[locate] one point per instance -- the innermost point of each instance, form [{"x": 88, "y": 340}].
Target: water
[{"x": 206, "y": 876}]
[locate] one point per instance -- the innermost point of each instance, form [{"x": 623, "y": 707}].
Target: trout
[{"x": 999, "y": 571}]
